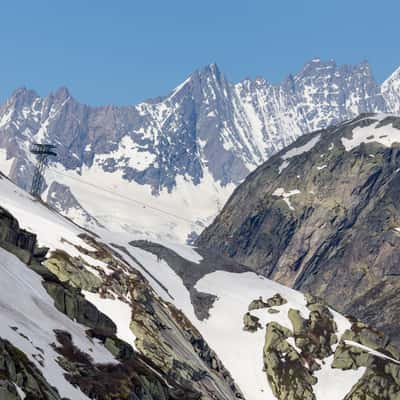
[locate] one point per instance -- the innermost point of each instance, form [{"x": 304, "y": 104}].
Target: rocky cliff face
[
  {"x": 198, "y": 142},
  {"x": 323, "y": 216}
]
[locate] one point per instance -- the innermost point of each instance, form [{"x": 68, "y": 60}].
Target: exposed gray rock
[
  {"x": 17, "y": 241},
  {"x": 287, "y": 375},
  {"x": 291, "y": 370},
  {"x": 72, "y": 303},
  {"x": 191, "y": 272},
  {"x": 276, "y": 300},
  {"x": 15, "y": 368},
  {"x": 257, "y": 304},
  {"x": 175, "y": 362},
  {"x": 334, "y": 234},
  {"x": 60, "y": 198}
]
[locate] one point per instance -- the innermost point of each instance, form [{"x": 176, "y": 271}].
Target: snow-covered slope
[
  {"x": 179, "y": 274},
  {"x": 28, "y": 319},
  {"x": 391, "y": 91},
  {"x": 133, "y": 208},
  {"x": 183, "y": 153}
]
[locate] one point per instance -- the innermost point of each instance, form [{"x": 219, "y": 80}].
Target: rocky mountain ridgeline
[
  {"x": 207, "y": 134},
  {"x": 323, "y": 216}
]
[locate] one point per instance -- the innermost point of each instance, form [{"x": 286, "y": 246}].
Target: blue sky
[{"x": 122, "y": 52}]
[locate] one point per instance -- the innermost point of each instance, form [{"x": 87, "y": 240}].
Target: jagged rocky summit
[{"x": 183, "y": 153}]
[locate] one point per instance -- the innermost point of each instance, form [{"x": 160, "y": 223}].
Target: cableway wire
[{"x": 116, "y": 194}]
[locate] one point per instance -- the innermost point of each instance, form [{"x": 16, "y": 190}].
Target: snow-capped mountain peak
[
  {"x": 391, "y": 91},
  {"x": 207, "y": 134}
]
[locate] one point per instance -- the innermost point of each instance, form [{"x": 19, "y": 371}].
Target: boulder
[
  {"x": 71, "y": 270},
  {"x": 257, "y": 304},
  {"x": 8, "y": 391},
  {"x": 276, "y": 300},
  {"x": 250, "y": 322},
  {"x": 287, "y": 375}
]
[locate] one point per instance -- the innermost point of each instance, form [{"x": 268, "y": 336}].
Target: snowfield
[
  {"x": 385, "y": 135},
  {"x": 118, "y": 311},
  {"x": 129, "y": 207}
]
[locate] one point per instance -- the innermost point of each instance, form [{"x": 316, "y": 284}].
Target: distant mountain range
[
  {"x": 183, "y": 153},
  {"x": 102, "y": 314}
]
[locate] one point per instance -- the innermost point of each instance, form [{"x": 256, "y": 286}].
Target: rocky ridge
[{"x": 323, "y": 216}]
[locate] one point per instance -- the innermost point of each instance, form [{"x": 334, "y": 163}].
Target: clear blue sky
[{"x": 125, "y": 51}]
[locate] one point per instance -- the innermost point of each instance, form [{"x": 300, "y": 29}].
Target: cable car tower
[{"x": 42, "y": 152}]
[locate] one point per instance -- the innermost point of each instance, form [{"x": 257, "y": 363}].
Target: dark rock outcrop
[
  {"x": 191, "y": 272},
  {"x": 324, "y": 219},
  {"x": 16, "y": 240},
  {"x": 17, "y": 369},
  {"x": 250, "y": 322},
  {"x": 293, "y": 356}
]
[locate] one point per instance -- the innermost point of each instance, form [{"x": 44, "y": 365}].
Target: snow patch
[
  {"x": 20, "y": 392},
  {"x": 128, "y": 154},
  {"x": 5, "y": 164},
  {"x": 280, "y": 192},
  {"x": 283, "y": 166},
  {"x": 296, "y": 151},
  {"x": 371, "y": 351},
  {"x": 223, "y": 330},
  {"x": 52, "y": 229},
  {"x": 118, "y": 311},
  {"x": 385, "y": 135},
  {"x": 334, "y": 383}
]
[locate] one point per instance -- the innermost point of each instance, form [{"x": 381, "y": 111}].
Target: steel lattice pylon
[{"x": 42, "y": 152}]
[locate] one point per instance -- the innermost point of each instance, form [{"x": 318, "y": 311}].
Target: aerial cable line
[{"x": 126, "y": 197}]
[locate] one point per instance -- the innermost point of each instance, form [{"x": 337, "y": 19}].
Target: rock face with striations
[{"x": 323, "y": 215}]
